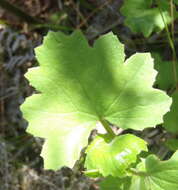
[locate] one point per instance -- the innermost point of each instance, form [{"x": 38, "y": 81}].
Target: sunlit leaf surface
[{"x": 79, "y": 86}]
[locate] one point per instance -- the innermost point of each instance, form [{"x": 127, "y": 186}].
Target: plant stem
[
  {"x": 172, "y": 16},
  {"x": 137, "y": 172},
  {"x": 171, "y": 43},
  {"x": 173, "y": 40},
  {"x": 107, "y": 128},
  {"x": 18, "y": 12},
  {"x": 52, "y": 27}
]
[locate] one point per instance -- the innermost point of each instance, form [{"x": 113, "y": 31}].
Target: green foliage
[
  {"x": 80, "y": 86},
  {"x": 111, "y": 183},
  {"x": 171, "y": 118},
  {"x": 154, "y": 174},
  {"x": 176, "y": 2},
  {"x": 113, "y": 156},
  {"x": 150, "y": 174},
  {"x": 141, "y": 17},
  {"x": 165, "y": 78},
  {"x": 172, "y": 144}
]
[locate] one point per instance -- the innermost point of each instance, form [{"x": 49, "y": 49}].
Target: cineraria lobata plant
[{"x": 82, "y": 88}]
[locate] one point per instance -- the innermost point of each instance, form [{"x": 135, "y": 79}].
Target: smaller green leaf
[
  {"x": 141, "y": 17},
  {"x": 156, "y": 174},
  {"x": 113, "y": 156},
  {"x": 171, "y": 118}
]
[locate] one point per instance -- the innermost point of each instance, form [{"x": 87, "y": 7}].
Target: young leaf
[
  {"x": 171, "y": 118},
  {"x": 81, "y": 85},
  {"x": 141, "y": 17},
  {"x": 113, "y": 156},
  {"x": 156, "y": 174}
]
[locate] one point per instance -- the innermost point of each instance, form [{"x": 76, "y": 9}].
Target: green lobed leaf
[
  {"x": 113, "y": 156},
  {"x": 171, "y": 118},
  {"x": 165, "y": 78},
  {"x": 81, "y": 86},
  {"x": 141, "y": 17},
  {"x": 156, "y": 174}
]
